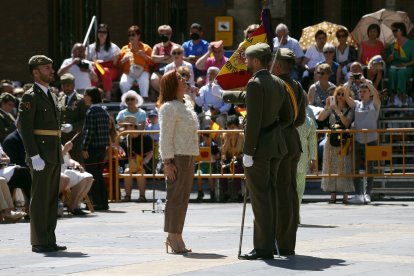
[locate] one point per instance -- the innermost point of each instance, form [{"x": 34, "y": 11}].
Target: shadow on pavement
[
  {"x": 316, "y": 226},
  {"x": 388, "y": 204},
  {"x": 210, "y": 256},
  {"x": 67, "y": 254},
  {"x": 309, "y": 263}
]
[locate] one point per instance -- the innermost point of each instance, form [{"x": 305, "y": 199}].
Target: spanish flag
[
  {"x": 233, "y": 75},
  {"x": 399, "y": 50},
  {"x": 214, "y": 126}
]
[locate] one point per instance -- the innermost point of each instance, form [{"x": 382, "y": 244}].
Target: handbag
[
  {"x": 339, "y": 138},
  {"x": 135, "y": 71}
]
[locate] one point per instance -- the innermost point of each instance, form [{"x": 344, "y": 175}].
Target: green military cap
[
  {"x": 7, "y": 97},
  {"x": 67, "y": 78},
  {"x": 286, "y": 54},
  {"x": 39, "y": 60},
  {"x": 258, "y": 50}
]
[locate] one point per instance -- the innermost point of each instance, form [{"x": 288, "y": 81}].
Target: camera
[
  {"x": 84, "y": 66},
  {"x": 357, "y": 76}
]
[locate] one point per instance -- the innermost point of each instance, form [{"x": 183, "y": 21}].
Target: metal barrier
[{"x": 390, "y": 154}]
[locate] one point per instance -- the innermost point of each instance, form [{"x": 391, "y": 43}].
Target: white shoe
[
  {"x": 367, "y": 199},
  {"x": 357, "y": 199}
]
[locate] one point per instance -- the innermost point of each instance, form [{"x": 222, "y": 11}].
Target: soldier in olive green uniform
[
  {"x": 264, "y": 145},
  {"x": 73, "y": 112},
  {"x": 7, "y": 121},
  {"x": 287, "y": 199},
  {"x": 40, "y": 131}
]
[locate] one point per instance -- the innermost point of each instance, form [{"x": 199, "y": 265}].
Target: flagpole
[{"x": 275, "y": 56}]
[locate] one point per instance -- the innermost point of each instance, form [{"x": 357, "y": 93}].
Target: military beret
[
  {"x": 7, "y": 97},
  {"x": 286, "y": 54},
  {"x": 67, "y": 78},
  {"x": 39, "y": 60},
  {"x": 258, "y": 50}
]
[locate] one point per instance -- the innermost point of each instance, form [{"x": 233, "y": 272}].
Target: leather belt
[{"x": 47, "y": 132}]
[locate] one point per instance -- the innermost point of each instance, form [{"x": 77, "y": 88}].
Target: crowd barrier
[{"x": 393, "y": 156}]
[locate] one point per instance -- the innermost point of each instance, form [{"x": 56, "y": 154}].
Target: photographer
[
  {"x": 80, "y": 68},
  {"x": 355, "y": 79}
]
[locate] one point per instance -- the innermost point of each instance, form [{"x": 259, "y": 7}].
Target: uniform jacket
[
  {"x": 36, "y": 111},
  {"x": 264, "y": 97},
  {"x": 7, "y": 125}
]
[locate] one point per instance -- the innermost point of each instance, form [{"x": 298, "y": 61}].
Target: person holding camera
[
  {"x": 80, "y": 68},
  {"x": 336, "y": 157},
  {"x": 355, "y": 79}
]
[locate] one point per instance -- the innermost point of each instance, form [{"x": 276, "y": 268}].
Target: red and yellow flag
[
  {"x": 399, "y": 50},
  {"x": 214, "y": 126},
  {"x": 233, "y": 75}
]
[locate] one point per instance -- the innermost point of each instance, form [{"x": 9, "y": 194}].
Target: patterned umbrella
[
  {"x": 307, "y": 38},
  {"x": 384, "y": 18}
]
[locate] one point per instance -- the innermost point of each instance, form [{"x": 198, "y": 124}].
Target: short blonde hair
[{"x": 165, "y": 28}]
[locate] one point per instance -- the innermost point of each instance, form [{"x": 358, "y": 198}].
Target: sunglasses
[
  {"x": 320, "y": 73},
  {"x": 395, "y": 30},
  {"x": 176, "y": 53},
  {"x": 102, "y": 32},
  {"x": 341, "y": 94},
  {"x": 328, "y": 52},
  {"x": 130, "y": 99},
  {"x": 342, "y": 36},
  {"x": 132, "y": 34},
  {"x": 179, "y": 77}
]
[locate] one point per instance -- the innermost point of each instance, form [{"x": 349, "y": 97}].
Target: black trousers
[
  {"x": 22, "y": 179},
  {"x": 95, "y": 165}
]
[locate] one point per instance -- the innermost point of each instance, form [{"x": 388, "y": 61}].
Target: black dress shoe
[
  {"x": 78, "y": 212},
  {"x": 256, "y": 254},
  {"x": 58, "y": 247},
  {"x": 42, "y": 248},
  {"x": 284, "y": 252}
]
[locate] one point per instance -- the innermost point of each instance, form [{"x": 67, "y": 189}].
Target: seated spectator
[
  {"x": 345, "y": 54},
  {"x": 249, "y": 31},
  {"x": 210, "y": 100},
  {"x": 356, "y": 75},
  {"x": 208, "y": 167},
  {"x": 18, "y": 93},
  {"x": 6, "y": 86},
  {"x": 400, "y": 59},
  {"x": 178, "y": 61},
  {"x": 79, "y": 181},
  {"x": 370, "y": 48},
  {"x": 231, "y": 158},
  {"x": 313, "y": 55},
  {"x": 135, "y": 61},
  {"x": 7, "y": 213},
  {"x": 218, "y": 60},
  {"x": 195, "y": 48},
  {"x": 366, "y": 117},
  {"x": 153, "y": 125},
  {"x": 322, "y": 88},
  {"x": 133, "y": 101},
  {"x": 283, "y": 40},
  {"x": 81, "y": 68},
  {"x": 336, "y": 157},
  {"x": 7, "y": 120},
  {"x": 138, "y": 156},
  {"x": 329, "y": 53},
  {"x": 105, "y": 53},
  {"x": 162, "y": 54}
]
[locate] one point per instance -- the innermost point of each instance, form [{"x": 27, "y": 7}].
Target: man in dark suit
[
  {"x": 14, "y": 148},
  {"x": 7, "y": 121},
  {"x": 264, "y": 145},
  {"x": 287, "y": 198},
  {"x": 73, "y": 112},
  {"x": 40, "y": 131}
]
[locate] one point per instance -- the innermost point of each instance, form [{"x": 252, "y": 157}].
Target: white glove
[
  {"x": 37, "y": 163},
  {"x": 66, "y": 128},
  {"x": 247, "y": 160}
]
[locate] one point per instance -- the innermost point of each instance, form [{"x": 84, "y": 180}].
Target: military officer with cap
[
  {"x": 73, "y": 112},
  {"x": 287, "y": 201},
  {"x": 40, "y": 131},
  {"x": 7, "y": 121},
  {"x": 264, "y": 145}
]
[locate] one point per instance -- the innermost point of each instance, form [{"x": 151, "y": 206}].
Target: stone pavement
[{"x": 333, "y": 239}]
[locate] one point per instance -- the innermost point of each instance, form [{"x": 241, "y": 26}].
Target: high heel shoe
[{"x": 175, "y": 249}]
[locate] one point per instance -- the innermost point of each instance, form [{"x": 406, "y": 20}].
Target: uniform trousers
[
  {"x": 44, "y": 204},
  {"x": 261, "y": 182},
  {"x": 178, "y": 194}
]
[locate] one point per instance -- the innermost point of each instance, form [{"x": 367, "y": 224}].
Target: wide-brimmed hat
[
  {"x": 135, "y": 94},
  {"x": 129, "y": 120}
]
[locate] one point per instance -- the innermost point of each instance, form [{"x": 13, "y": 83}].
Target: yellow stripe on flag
[
  {"x": 100, "y": 69},
  {"x": 214, "y": 126}
]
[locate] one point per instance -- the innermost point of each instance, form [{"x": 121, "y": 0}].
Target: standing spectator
[
  {"x": 210, "y": 100},
  {"x": 80, "y": 68},
  {"x": 195, "y": 48},
  {"x": 320, "y": 90},
  {"x": 7, "y": 120},
  {"x": 178, "y": 149},
  {"x": 162, "y": 54},
  {"x": 178, "y": 55},
  {"x": 345, "y": 54},
  {"x": 72, "y": 115},
  {"x": 400, "y": 58},
  {"x": 95, "y": 139},
  {"x": 336, "y": 159},
  {"x": 370, "y": 48},
  {"x": 283, "y": 40},
  {"x": 218, "y": 60},
  {"x": 133, "y": 101},
  {"x": 355, "y": 79},
  {"x": 135, "y": 61},
  {"x": 313, "y": 55},
  {"x": 40, "y": 131},
  {"x": 366, "y": 117},
  {"x": 329, "y": 54},
  {"x": 105, "y": 53}
]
